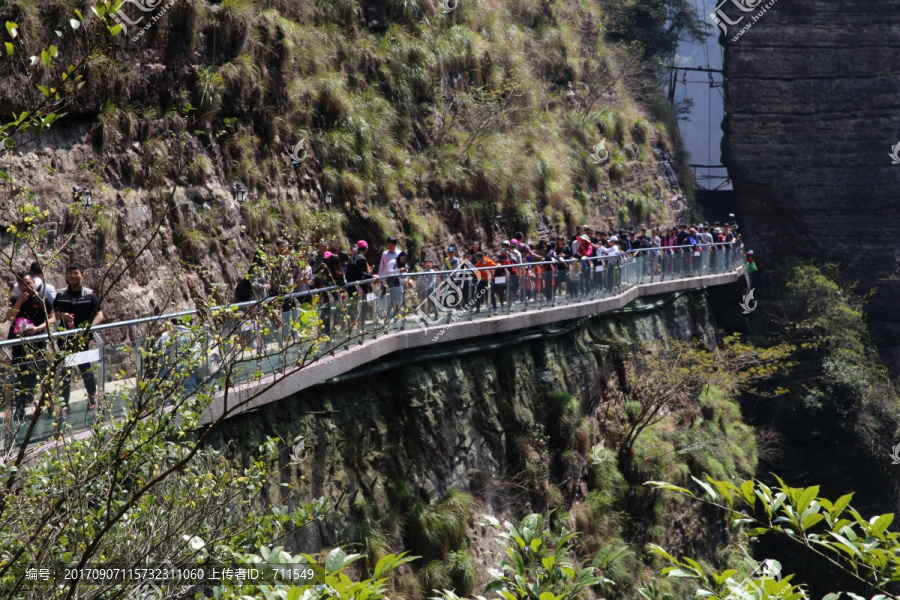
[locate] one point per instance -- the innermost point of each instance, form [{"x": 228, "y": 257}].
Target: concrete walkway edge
[{"x": 344, "y": 360}]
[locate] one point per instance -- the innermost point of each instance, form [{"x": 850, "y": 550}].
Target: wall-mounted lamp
[
  {"x": 239, "y": 193},
  {"x": 328, "y": 198},
  {"x": 82, "y": 195},
  {"x": 455, "y": 203}
]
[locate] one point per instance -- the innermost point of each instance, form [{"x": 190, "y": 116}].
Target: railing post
[
  {"x": 205, "y": 360},
  {"x": 490, "y": 292},
  {"x": 100, "y": 346},
  {"x": 592, "y": 271},
  {"x": 363, "y": 309},
  {"x": 137, "y": 347},
  {"x": 553, "y": 275},
  {"x": 257, "y": 336},
  {"x": 523, "y": 287}
]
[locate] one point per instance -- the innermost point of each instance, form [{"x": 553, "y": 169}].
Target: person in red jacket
[
  {"x": 751, "y": 264},
  {"x": 587, "y": 251}
]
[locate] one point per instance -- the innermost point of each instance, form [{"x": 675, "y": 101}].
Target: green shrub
[
  {"x": 383, "y": 223},
  {"x": 436, "y": 529},
  {"x": 208, "y": 91},
  {"x": 520, "y": 216},
  {"x": 156, "y": 161},
  {"x": 640, "y": 130},
  {"x": 462, "y": 572},
  {"x": 262, "y": 217},
  {"x": 618, "y": 166},
  {"x": 612, "y": 124},
  {"x": 643, "y": 208},
  {"x": 402, "y": 489},
  {"x": 435, "y": 576},
  {"x": 420, "y": 229},
  {"x": 116, "y": 124},
  {"x": 200, "y": 170},
  {"x": 242, "y": 76},
  {"x": 193, "y": 242},
  {"x": 209, "y": 220},
  {"x": 365, "y": 537}
]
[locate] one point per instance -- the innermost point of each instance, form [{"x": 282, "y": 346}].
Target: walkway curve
[{"x": 345, "y": 360}]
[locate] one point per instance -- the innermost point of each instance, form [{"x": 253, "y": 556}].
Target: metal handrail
[{"x": 281, "y": 298}]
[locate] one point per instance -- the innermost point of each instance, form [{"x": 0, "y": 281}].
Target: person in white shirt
[
  {"x": 514, "y": 254},
  {"x": 383, "y": 270},
  {"x": 656, "y": 253},
  {"x": 575, "y": 245},
  {"x": 516, "y": 257},
  {"x": 387, "y": 256},
  {"x": 44, "y": 290},
  {"x": 613, "y": 257},
  {"x": 706, "y": 240},
  {"x": 395, "y": 267},
  {"x": 425, "y": 285}
]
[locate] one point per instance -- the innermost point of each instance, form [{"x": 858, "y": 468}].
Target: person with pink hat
[{"x": 329, "y": 275}]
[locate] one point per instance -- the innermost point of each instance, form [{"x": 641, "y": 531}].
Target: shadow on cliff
[{"x": 837, "y": 424}]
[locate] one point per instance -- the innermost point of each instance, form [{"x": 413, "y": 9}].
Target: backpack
[{"x": 244, "y": 290}]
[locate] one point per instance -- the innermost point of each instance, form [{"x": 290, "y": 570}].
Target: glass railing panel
[{"x": 264, "y": 342}]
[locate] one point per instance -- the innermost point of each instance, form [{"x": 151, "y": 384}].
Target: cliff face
[
  {"x": 470, "y": 420},
  {"x": 811, "y": 99},
  {"x": 391, "y": 109}
]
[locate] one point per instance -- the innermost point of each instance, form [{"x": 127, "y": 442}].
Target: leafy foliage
[
  {"x": 660, "y": 375},
  {"x": 657, "y": 26},
  {"x": 330, "y": 580},
  {"x": 831, "y": 529},
  {"x": 851, "y": 401},
  {"x": 537, "y": 563}
]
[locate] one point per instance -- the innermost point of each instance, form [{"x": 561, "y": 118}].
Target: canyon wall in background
[{"x": 812, "y": 102}]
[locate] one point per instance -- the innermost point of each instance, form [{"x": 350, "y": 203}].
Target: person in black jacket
[
  {"x": 28, "y": 315},
  {"x": 78, "y": 307},
  {"x": 548, "y": 271},
  {"x": 330, "y": 274},
  {"x": 358, "y": 270},
  {"x": 563, "y": 253}
]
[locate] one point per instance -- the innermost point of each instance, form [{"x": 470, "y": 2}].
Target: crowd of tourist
[
  {"x": 515, "y": 270},
  {"x": 34, "y": 307}
]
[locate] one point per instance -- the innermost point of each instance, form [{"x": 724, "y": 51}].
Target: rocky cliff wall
[
  {"x": 463, "y": 421},
  {"x": 812, "y": 99},
  {"x": 398, "y": 108}
]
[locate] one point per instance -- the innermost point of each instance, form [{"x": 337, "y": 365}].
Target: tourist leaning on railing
[
  {"x": 28, "y": 315},
  {"x": 358, "y": 270},
  {"x": 425, "y": 285},
  {"x": 77, "y": 307},
  {"x": 330, "y": 274},
  {"x": 483, "y": 263}
]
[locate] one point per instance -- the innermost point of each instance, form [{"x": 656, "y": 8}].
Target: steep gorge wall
[
  {"x": 389, "y": 99},
  {"x": 812, "y": 102},
  {"x": 459, "y": 422}
]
